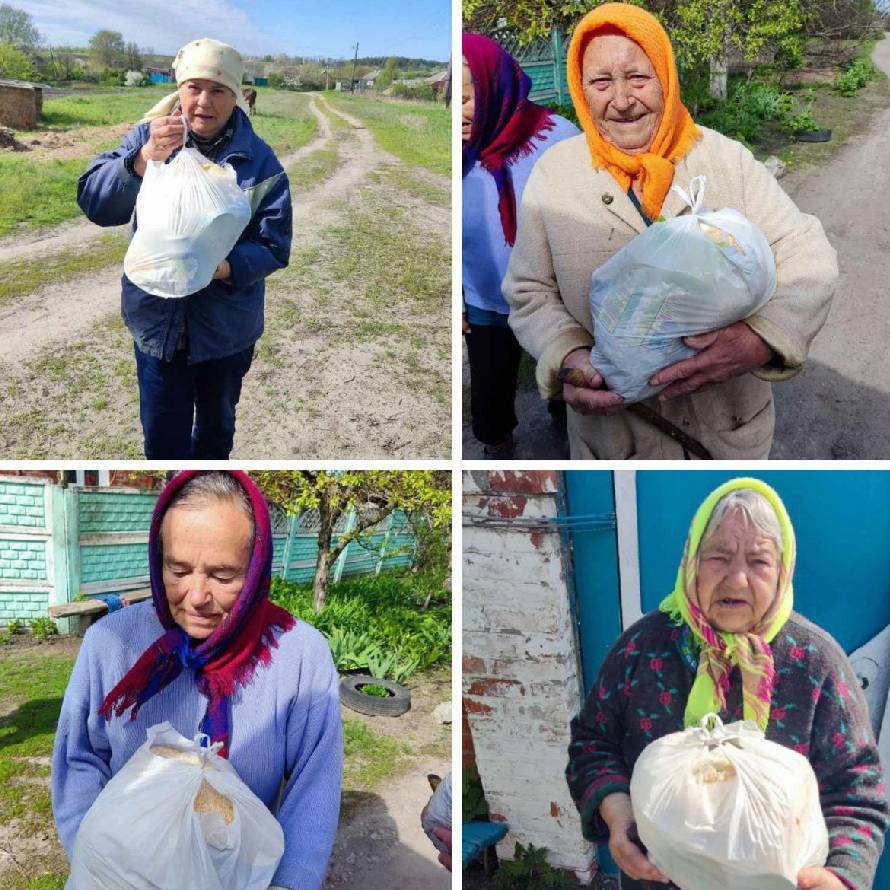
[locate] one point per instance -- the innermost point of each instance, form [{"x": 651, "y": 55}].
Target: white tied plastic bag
[
  {"x": 176, "y": 816},
  {"x": 685, "y": 276},
  {"x": 437, "y": 813},
  {"x": 189, "y": 214},
  {"x": 725, "y": 808}
]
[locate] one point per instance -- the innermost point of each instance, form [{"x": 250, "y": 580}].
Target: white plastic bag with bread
[
  {"x": 176, "y": 816},
  {"x": 189, "y": 214},
  {"x": 683, "y": 276},
  {"x": 725, "y": 808}
]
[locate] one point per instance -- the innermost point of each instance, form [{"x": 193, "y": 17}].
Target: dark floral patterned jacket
[{"x": 817, "y": 709}]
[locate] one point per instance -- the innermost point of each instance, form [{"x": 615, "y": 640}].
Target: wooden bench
[{"x": 85, "y": 612}]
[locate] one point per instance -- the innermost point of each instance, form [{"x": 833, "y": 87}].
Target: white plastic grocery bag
[
  {"x": 437, "y": 813},
  {"x": 176, "y": 816},
  {"x": 684, "y": 276},
  {"x": 189, "y": 214},
  {"x": 725, "y": 808}
]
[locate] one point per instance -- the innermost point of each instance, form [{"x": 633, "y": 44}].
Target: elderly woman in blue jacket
[{"x": 192, "y": 353}]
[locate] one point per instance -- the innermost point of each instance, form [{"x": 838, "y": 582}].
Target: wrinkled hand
[
  {"x": 818, "y": 878},
  {"x": 589, "y": 396},
  {"x": 725, "y": 353},
  {"x": 165, "y": 135},
  {"x": 444, "y": 835},
  {"x": 223, "y": 271},
  {"x": 617, "y": 813}
]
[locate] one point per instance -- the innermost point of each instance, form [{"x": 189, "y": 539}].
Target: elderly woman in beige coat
[{"x": 590, "y": 195}]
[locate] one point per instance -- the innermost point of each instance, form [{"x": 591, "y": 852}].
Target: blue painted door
[{"x": 842, "y": 578}]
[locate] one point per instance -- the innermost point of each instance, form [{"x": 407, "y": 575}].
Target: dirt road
[
  {"x": 324, "y": 383},
  {"x": 839, "y": 406}
]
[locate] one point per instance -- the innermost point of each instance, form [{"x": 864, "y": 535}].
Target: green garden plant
[
  {"x": 860, "y": 71},
  {"x": 43, "y": 628},
  {"x": 530, "y": 870},
  {"x": 376, "y": 623},
  {"x": 375, "y": 690},
  {"x": 15, "y": 626}
]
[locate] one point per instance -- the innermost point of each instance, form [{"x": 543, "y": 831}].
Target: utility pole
[{"x": 354, "y": 61}]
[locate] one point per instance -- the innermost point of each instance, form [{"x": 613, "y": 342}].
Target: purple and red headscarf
[
  {"x": 228, "y": 658},
  {"x": 505, "y": 122}
]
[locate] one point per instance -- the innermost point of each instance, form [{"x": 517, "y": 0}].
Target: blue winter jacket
[{"x": 222, "y": 319}]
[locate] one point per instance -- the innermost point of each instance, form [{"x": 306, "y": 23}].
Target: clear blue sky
[{"x": 418, "y": 28}]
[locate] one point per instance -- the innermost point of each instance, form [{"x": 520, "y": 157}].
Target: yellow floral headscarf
[{"x": 720, "y": 651}]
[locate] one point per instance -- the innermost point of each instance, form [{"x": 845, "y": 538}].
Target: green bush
[
  {"x": 422, "y": 91},
  {"x": 14, "y": 63},
  {"x": 376, "y": 623},
  {"x": 374, "y": 690},
  {"x": 43, "y": 628},
  {"x": 15, "y": 626},
  {"x": 860, "y": 71},
  {"x": 748, "y": 107}
]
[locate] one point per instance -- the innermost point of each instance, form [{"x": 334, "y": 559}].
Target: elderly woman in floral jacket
[
  {"x": 726, "y": 641},
  {"x": 590, "y": 195}
]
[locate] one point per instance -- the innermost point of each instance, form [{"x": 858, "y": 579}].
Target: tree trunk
[
  {"x": 327, "y": 520},
  {"x": 320, "y": 582},
  {"x": 718, "y": 82}
]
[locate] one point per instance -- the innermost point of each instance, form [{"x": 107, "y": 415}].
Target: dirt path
[
  {"x": 364, "y": 420},
  {"x": 839, "y": 406}
]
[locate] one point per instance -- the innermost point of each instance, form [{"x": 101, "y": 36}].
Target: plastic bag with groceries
[
  {"x": 684, "y": 276},
  {"x": 720, "y": 806},
  {"x": 176, "y": 815},
  {"x": 190, "y": 213}
]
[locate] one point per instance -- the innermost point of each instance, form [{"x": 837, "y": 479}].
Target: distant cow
[{"x": 249, "y": 94}]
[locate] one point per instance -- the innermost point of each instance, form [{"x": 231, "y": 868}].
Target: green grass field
[
  {"x": 418, "y": 133},
  {"x": 36, "y": 192}
]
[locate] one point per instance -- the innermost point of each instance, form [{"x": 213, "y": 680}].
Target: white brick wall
[{"x": 521, "y": 674}]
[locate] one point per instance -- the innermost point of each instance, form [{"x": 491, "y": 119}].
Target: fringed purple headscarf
[
  {"x": 504, "y": 120},
  {"x": 228, "y": 658}
]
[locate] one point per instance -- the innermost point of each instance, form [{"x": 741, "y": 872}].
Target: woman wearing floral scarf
[
  {"x": 591, "y": 195},
  {"x": 727, "y": 640},
  {"x": 209, "y": 653}
]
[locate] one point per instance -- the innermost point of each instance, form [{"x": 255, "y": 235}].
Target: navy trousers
[{"x": 188, "y": 411}]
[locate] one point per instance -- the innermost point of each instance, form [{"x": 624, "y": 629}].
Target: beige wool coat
[{"x": 574, "y": 217}]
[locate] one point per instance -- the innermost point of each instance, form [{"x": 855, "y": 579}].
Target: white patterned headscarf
[{"x": 204, "y": 59}]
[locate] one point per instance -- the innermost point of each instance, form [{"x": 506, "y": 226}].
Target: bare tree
[{"x": 134, "y": 58}]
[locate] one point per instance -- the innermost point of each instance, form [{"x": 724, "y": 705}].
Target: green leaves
[{"x": 375, "y": 623}]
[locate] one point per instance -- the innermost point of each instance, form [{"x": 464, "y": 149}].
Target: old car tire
[{"x": 351, "y": 695}]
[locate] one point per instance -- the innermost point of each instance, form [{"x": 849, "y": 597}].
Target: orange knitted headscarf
[{"x": 676, "y": 134}]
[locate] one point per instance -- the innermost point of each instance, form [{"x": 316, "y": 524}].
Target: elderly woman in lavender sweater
[
  {"x": 210, "y": 654},
  {"x": 727, "y": 641}
]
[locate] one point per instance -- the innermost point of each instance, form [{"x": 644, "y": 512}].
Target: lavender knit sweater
[
  {"x": 284, "y": 727},
  {"x": 817, "y": 709}
]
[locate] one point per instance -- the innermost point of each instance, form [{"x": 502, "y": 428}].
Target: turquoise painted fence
[
  {"x": 544, "y": 61},
  {"x": 57, "y": 542}
]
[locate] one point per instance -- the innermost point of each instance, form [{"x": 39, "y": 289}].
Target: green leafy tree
[
  {"x": 700, "y": 30},
  {"x": 14, "y": 63},
  {"x": 372, "y": 494},
  {"x": 107, "y": 49},
  {"x": 17, "y": 28},
  {"x": 388, "y": 75}
]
